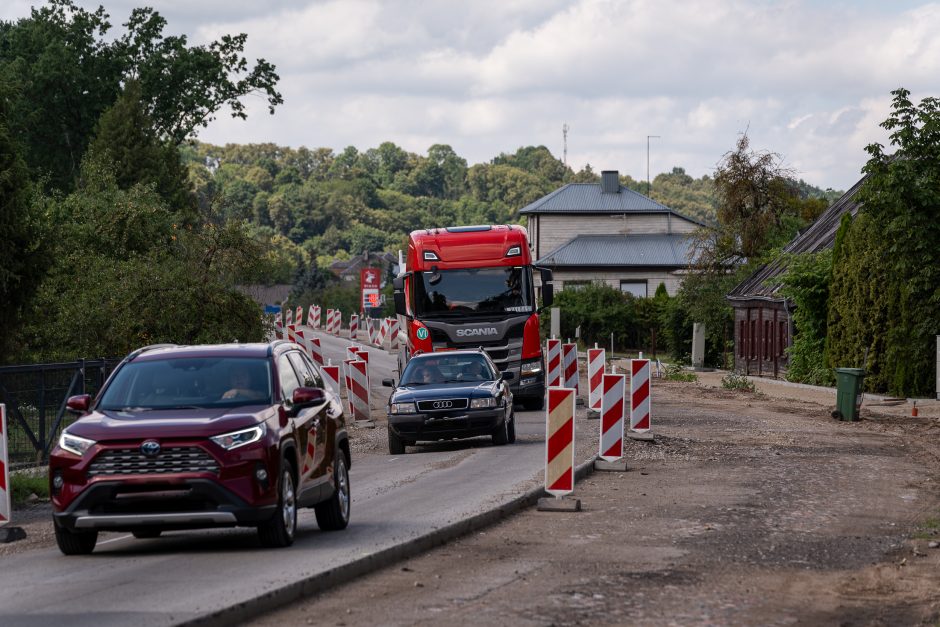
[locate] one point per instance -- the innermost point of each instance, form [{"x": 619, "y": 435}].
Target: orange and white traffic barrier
[
  {"x": 559, "y": 439},
  {"x": 597, "y": 359},
  {"x": 329, "y": 321},
  {"x": 610, "y": 447},
  {"x": 299, "y": 315},
  {"x": 5, "y": 508},
  {"x": 569, "y": 360},
  {"x": 359, "y": 390},
  {"x": 555, "y": 369},
  {"x": 393, "y": 333},
  {"x": 352, "y": 354},
  {"x": 278, "y": 326},
  {"x": 353, "y": 326},
  {"x": 331, "y": 378},
  {"x": 640, "y": 395}
]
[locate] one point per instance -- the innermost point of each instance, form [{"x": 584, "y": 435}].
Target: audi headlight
[
  {"x": 74, "y": 444},
  {"x": 530, "y": 368},
  {"x": 482, "y": 403},
  {"x": 235, "y": 439},
  {"x": 404, "y": 408}
]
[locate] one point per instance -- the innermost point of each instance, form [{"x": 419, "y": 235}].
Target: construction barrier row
[
  {"x": 608, "y": 394},
  {"x": 381, "y": 333}
]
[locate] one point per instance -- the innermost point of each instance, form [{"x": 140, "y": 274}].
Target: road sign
[{"x": 370, "y": 282}]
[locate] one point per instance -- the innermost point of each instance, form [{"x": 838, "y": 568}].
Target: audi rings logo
[{"x": 443, "y": 404}]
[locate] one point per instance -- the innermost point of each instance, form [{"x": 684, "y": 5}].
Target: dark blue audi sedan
[{"x": 449, "y": 395}]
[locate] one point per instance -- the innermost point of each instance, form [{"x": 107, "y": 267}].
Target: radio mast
[{"x": 564, "y": 136}]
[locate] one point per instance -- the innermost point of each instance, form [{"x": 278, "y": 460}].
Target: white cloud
[{"x": 808, "y": 79}]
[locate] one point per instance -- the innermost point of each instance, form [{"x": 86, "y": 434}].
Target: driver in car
[{"x": 241, "y": 385}]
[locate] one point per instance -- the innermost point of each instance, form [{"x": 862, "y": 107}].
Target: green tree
[{"x": 806, "y": 285}]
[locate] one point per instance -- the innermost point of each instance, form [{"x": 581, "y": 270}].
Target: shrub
[
  {"x": 735, "y": 381},
  {"x": 675, "y": 372}
]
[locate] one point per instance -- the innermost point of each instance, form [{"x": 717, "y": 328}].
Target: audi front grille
[
  {"x": 444, "y": 404},
  {"x": 130, "y": 461}
]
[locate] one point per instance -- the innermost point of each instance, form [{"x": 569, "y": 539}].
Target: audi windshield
[{"x": 474, "y": 291}]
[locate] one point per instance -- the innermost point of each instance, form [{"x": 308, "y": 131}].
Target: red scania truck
[{"x": 472, "y": 286}]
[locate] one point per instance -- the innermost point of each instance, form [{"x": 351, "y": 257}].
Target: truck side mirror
[
  {"x": 398, "y": 285},
  {"x": 548, "y": 293}
]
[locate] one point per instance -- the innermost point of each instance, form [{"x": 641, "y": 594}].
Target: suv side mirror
[
  {"x": 306, "y": 397},
  {"x": 389, "y": 383},
  {"x": 506, "y": 375},
  {"x": 548, "y": 292},
  {"x": 398, "y": 285},
  {"x": 78, "y": 404}
]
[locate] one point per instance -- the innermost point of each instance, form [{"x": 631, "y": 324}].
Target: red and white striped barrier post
[
  {"x": 383, "y": 331},
  {"x": 331, "y": 321},
  {"x": 559, "y": 450},
  {"x": 315, "y": 350},
  {"x": 393, "y": 332},
  {"x": 359, "y": 391},
  {"x": 278, "y": 326},
  {"x": 640, "y": 396},
  {"x": 352, "y": 354},
  {"x": 299, "y": 315},
  {"x": 569, "y": 358},
  {"x": 331, "y": 378},
  {"x": 597, "y": 359},
  {"x": 5, "y": 508},
  {"x": 316, "y": 316},
  {"x": 310, "y": 317},
  {"x": 353, "y": 326},
  {"x": 555, "y": 370},
  {"x": 610, "y": 446}
]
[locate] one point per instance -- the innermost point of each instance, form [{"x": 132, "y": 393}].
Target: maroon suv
[{"x": 185, "y": 437}]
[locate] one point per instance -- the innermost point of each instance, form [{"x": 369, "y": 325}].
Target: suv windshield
[
  {"x": 474, "y": 290},
  {"x": 448, "y": 369},
  {"x": 188, "y": 382}
]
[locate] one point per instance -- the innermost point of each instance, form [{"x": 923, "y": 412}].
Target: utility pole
[
  {"x": 648, "y": 162},
  {"x": 564, "y": 136}
]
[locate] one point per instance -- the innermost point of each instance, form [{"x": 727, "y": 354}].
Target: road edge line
[{"x": 320, "y": 582}]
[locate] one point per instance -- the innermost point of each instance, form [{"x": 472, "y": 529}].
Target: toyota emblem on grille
[
  {"x": 443, "y": 404},
  {"x": 150, "y": 448}
]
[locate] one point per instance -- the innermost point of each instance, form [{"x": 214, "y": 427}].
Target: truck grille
[
  {"x": 130, "y": 461},
  {"x": 443, "y": 404}
]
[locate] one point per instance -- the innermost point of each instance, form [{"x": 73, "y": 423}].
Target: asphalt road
[{"x": 185, "y": 575}]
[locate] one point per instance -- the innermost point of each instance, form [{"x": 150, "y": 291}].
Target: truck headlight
[
  {"x": 235, "y": 439},
  {"x": 482, "y": 403},
  {"x": 404, "y": 408},
  {"x": 530, "y": 368},
  {"x": 74, "y": 444}
]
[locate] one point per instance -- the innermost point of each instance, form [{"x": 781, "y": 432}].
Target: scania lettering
[{"x": 470, "y": 287}]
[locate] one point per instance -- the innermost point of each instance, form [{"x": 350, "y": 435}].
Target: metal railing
[{"x": 35, "y": 397}]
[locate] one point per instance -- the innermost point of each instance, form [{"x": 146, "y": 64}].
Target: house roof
[
  {"x": 590, "y": 198},
  {"x": 659, "y": 249},
  {"x": 820, "y": 235}
]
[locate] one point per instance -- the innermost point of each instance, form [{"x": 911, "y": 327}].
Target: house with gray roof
[
  {"x": 763, "y": 322},
  {"x": 606, "y": 232}
]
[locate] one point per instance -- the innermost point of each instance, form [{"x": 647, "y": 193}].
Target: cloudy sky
[{"x": 810, "y": 80}]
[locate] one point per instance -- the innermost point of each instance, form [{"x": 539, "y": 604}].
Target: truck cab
[{"x": 473, "y": 287}]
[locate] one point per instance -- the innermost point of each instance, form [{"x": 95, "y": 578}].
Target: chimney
[{"x": 610, "y": 182}]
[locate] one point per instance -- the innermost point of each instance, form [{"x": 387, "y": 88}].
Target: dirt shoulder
[{"x": 747, "y": 509}]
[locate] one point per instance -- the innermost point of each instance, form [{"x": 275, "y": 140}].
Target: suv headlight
[
  {"x": 481, "y": 403},
  {"x": 404, "y": 408},
  {"x": 235, "y": 439},
  {"x": 530, "y": 368},
  {"x": 74, "y": 444}
]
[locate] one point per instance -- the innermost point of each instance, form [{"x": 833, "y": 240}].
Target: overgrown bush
[
  {"x": 735, "y": 381},
  {"x": 675, "y": 372},
  {"x": 600, "y": 310},
  {"x": 806, "y": 284}
]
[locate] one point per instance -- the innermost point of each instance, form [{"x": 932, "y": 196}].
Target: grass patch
[
  {"x": 735, "y": 381},
  {"x": 928, "y": 530},
  {"x": 674, "y": 372},
  {"x": 24, "y": 484}
]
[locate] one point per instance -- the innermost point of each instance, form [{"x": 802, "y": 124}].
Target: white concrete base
[
  {"x": 563, "y": 504},
  {"x": 604, "y": 466},
  {"x": 642, "y": 437}
]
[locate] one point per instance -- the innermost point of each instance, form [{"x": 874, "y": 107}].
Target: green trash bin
[{"x": 848, "y": 393}]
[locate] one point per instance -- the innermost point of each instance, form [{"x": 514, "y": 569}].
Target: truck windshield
[{"x": 474, "y": 291}]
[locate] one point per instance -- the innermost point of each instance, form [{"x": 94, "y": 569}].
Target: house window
[
  {"x": 752, "y": 344},
  {"x": 637, "y": 288},
  {"x": 742, "y": 339},
  {"x": 782, "y": 334},
  {"x": 575, "y": 285},
  {"x": 768, "y": 340}
]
